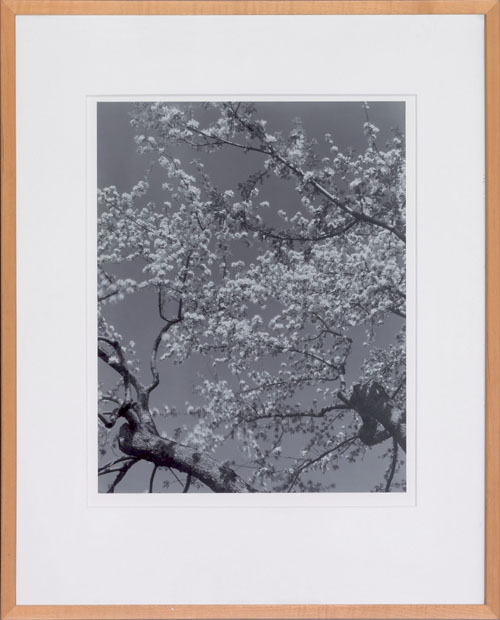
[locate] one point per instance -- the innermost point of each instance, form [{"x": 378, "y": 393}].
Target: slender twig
[
  {"x": 152, "y": 479},
  {"x": 310, "y": 462},
  {"x": 176, "y": 476},
  {"x": 154, "y": 354},
  {"x": 397, "y": 390},
  {"x": 113, "y": 416},
  {"x": 122, "y": 473},
  {"x": 108, "y": 296},
  {"x": 188, "y": 483},
  {"x": 117, "y": 362},
  {"x": 392, "y": 469},
  {"x": 283, "y": 236},
  {"x": 301, "y": 174},
  {"x": 316, "y": 357},
  {"x": 397, "y": 312},
  {"x": 210, "y": 140},
  {"x": 112, "y": 399},
  {"x": 168, "y": 324},
  {"x": 300, "y": 414},
  {"x": 272, "y": 384},
  {"x": 329, "y": 330},
  {"x": 103, "y": 469}
]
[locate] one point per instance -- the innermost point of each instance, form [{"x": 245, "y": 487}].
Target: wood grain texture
[
  {"x": 251, "y": 612},
  {"x": 8, "y": 608},
  {"x": 249, "y": 7},
  {"x": 8, "y": 315},
  {"x": 492, "y": 542}
]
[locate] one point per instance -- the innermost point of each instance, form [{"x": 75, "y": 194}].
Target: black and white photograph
[{"x": 251, "y": 272}]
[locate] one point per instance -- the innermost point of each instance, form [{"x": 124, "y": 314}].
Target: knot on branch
[
  {"x": 369, "y": 399},
  {"x": 128, "y": 411},
  {"x": 376, "y": 407}
]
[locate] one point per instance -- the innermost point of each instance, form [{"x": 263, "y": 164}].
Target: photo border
[{"x": 365, "y": 499}]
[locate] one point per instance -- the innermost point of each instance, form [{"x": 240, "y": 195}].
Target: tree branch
[
  {"x": 103, "y": 469},
  {"x": 152, "y": 479},
  {"x": 310, "y": 462},
  {"x": 319, "y": 414},
  {"x": 122, "y": 473},
  {"x": 392, "y": 469},
  {"x": 375, "y": 407},
  {"x": 169, "y": 323},
  {"x": 283, "y": 236},
  {"x": 108, "y": 423},
  {"x": 117, "y": 362},
  {"x": 397, "y": 312},
  {"x": 154, "y": 354},
  {"x": 188, "y": 483},
  {"x": 357, "y": 215},
  {"x": 168, "y": 453}
]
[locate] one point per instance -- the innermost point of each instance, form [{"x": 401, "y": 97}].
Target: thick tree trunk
[
  {"x": 376, "y": 407},
  {"x": 162, "y": 452}
]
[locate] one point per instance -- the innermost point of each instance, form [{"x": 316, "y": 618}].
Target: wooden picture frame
[{"x": 9, "y": 10}]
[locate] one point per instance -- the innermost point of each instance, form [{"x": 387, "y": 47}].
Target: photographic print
[{"x": 251, "y": 261}]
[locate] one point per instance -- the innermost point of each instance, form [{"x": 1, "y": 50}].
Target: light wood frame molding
[{"x": 9, "y": 9}]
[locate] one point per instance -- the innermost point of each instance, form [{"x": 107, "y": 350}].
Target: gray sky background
[{"x": 119, "y": 164}]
